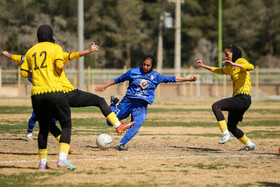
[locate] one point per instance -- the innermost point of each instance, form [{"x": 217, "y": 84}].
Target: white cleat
[
  {"x": 225, "y": 139},
  {"x": 247, "y": 148},
  {"x": 29, "y": 136}
]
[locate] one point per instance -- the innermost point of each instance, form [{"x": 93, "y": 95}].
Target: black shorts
[
  {"x": 51, "y": 106},
  {"x": 236, "y": 106}
]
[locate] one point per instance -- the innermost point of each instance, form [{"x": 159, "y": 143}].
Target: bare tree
[{"x": 206, "y": 51}]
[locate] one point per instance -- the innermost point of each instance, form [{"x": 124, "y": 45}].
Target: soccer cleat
[
  {"x": 65, "y": 163},
  {"x": 124, "y": 126},
  {"x": 114, "y": 99},
  {"x": 43, "y": 166},
  {"x": 225, "y": 139},
  {"x": 247, "y": 148},
  {"x": 29, "y": 136},
  {"x": 121, "y": 147},
  {"x": 70, "y": 150}
]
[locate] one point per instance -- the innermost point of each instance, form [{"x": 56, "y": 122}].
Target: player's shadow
[
  {"x": 199, "y": 149},
  {"x": 17, "y": 167},
  {"x": 270, "y": 184},
  {"x": 21, "y": 139},
  {"x": 95, "y": 148},
  {"x": 275, "y": 154},
  {"x": 25, "y": 154}
]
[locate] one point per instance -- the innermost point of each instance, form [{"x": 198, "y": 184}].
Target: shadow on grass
[
  {"x": 21, "y": 139},
  {"x": 199, "y": 149},
  {"x": 271, "y": 184},
  {"x": 26, "y": 154},
  {"x": 17, "y": 167}
]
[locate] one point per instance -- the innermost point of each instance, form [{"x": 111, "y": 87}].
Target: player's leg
[
  {"x": 56, "y": 132},
  {"x": 41, "y": 110},
  {"x": 122, "y": 111},
  {"x": 42, "y": 143},
  {"x": 233, "y": 120},
  {"x": 62, "y": 113},
  {"x": 138, "y": 115},
  {"x": 31, "y": 125},
  {"x": 217, "y": 108},
  {"x": 84, "y": 99}
]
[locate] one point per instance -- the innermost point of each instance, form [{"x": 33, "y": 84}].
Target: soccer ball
[{"x": 104, "y": 141}]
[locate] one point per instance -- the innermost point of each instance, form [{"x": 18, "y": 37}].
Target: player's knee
[
  {"x": 100, "y": 100},
  {"x": 215, "y": 106}
]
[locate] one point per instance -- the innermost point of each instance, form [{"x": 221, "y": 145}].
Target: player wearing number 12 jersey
[{"x": 44, "y": 63}]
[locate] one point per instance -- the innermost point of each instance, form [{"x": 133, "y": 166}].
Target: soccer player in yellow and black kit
[
  {"x": 76, "y": 97},
  {"x": 238, "y": 68},
  {"x": 44, "y": 63}
]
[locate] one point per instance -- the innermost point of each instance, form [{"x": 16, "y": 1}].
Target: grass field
[{"x": 176, "y": 146}]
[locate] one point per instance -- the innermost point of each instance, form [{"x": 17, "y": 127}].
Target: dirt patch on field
[
  {"x": 157, "y": 156},
  {"x": 160, "y": 156}
]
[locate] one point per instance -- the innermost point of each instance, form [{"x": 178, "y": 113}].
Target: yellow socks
[
  {"x": 243, "y": 139},
  {"x": 43, "y": 158},
  {"x": 58, "y": 138},
  {"x": 113, "y": 119},
  {"x": 64, "y": 147},
  {"x": 223, "y": 126},
  {"x": 63, "y": 151},
  {"x": 43, "y": 153}
]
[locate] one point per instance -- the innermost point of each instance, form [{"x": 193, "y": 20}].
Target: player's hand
[
  {"x": 5, "y": 53},
  {"x": 193, "y": 78},
  {"x": 100, "y": 89},
  {"x": 228, "y": 62},
  {"x": 93, "y": 47},
  {"x": 199, "y": 63}
]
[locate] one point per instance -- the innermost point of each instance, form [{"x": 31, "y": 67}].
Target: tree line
[{"x": 127, "y": 30}]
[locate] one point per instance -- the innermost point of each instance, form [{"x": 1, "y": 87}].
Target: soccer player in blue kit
[{"x": 143, "y": 82}]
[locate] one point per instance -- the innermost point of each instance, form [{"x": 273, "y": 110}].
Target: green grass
[
  {"x": 15, "y": 109},
  {"x": 26, "y": 179},
  {"x": 93, "y": 126},
  {"x": 216, "y": 166}
]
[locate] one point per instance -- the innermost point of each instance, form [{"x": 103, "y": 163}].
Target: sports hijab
[
  {"x": 152, "y": 59},
  {"x": 45, "y": 34},
  {"x": 236, "y": 52}
]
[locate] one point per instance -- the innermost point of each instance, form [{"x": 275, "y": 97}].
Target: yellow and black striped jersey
[
  {"x": 41, "y": 60},
  {"x": 240, "y": 76},
  {"x": 67, "y": 86}
]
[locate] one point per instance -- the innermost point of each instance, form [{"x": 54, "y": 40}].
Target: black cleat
[
  {"x": 114, "y": 99},
  {"x": 121, "y": 147}
]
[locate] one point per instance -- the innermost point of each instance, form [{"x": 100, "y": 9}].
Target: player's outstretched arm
[
  {"x": 75, "y": 55},
  {"x": 7, "y": 54},
  {"x": 102, "y": 88},
  {"x": 15, "y": 58},
  {"x": 91, "y": 49},
  {"x": 183, "y": 79},
  {"x": 201, "y": 64}
]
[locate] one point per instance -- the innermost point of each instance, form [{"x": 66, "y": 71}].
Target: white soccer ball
[{"x": 104, "y": 141}]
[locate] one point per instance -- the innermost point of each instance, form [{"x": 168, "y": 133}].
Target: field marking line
[{"x": 149, "y": 158}]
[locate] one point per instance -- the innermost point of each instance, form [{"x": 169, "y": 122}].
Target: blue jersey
[{"x": 143, "y": 85}]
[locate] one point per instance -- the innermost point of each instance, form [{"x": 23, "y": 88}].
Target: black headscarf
[
  {"x": 45, "y": 34},
  {"x": 236, "y": 52},
  {"x": 152, "y": 59}
]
